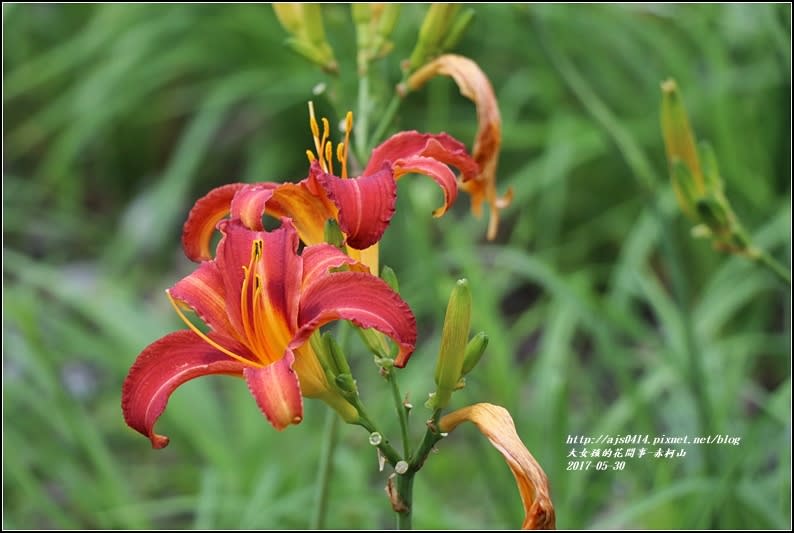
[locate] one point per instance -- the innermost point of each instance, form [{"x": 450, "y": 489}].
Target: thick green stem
[
  {"x": 402, "y": 411},
  {"x": 405, "y": 489},
  {"x": 403, "y": 485},
  {"x": 432, "y": 436},
  {"x": 775, "y": 267},
  {"x": 326, "y": 466}
]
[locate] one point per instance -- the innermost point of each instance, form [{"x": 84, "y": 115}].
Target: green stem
[
  {"x": 386, "y": 119},
  {"x": 388, "y": 451},
  {"x": 402, "y": 411},
  {"x": 432, "y": 436},
  {"x": 391, "y": 110},
  {"x": 775, "y": 267},
  {"x": 405, "y": 490},
  {"x": 326, "y": 466},
  {"x": 404, "y": 483}
]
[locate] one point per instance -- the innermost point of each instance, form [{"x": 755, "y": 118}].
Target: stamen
[
  {"x": 248, "y": 329},
  {"x": 206, "y": 339},
  {"x": 340, "y": 155},
  {"x": 323, "y": 140},
  {"x": 318, "y": 143},
  {"x": 329, "y": 156},
  {"x": 348, "y": 130},
  {"x": 261, "y": 316},
  {"x": 313, "y": 125}
]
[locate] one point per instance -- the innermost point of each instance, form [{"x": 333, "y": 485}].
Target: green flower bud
[
  {"x": 454, "y": 338},
  {"x": 474, "y": 351},
  {"x": 456, "y": 31},
  {"x": 684, "y": 188},
  {"x": 388, "y": 275},
  {"x": 431, "y": 34},
  {"x": 305, "y": 23},
  {"x": 375, "y": 342},
  {"x": 335, "y": 396},
  {"x": 711, "y": 171},
  {"x": 346, "y": 384},
  {"x": 678, "y": 137},
  {"x": 374, "y": 24},
  {"x": 336, "y": 355},
  {"x": 319, "y": 346}
]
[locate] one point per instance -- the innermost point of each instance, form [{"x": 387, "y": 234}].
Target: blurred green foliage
[{"x": 604, "y": 315}]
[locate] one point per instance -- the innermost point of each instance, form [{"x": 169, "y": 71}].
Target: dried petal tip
[
  {"x": 496, "y": 424},
  {"x": 474, "y": 85}
]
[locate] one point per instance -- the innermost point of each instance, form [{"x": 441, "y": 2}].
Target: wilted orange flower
[
  {"x": 474, "y": 85},
  {"x": 496, "y": 423}
]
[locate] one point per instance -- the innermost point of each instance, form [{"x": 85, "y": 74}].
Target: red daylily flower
[
  {"x": 262, "y": 301},
  {"x": 363, "y": 206}
]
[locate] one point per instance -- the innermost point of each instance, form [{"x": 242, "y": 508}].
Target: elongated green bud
[
  {"x": 387, "y": 20},
  {"x": 388, "y": 275},
  {"x": 454, "y": 338},
  {"x": 474, "y": 351},
  {"x": 374, "y": 24},
  {"x": 346, "y": 384},
  {"x": 711, "y": 171},
  {"x": 456, "y": 31},
  {"x": 305, "y": 23},
  {"x": 336, "y": 355},
  {"x": 679, "y": 140},
  {"x": 684, "y": 189},
  {"x": 431, "y": 34},
  {"x": 319, "y": 346},
  {"x": 337, "y": 393},
  {"x": 375, "y": 342}
]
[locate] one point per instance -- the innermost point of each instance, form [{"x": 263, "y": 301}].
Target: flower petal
[
  {"x": 474, "y": 84},
  {"x": 204, "y": 292},
  {"x": 277, "y": 391},
  {"x": 496, "y": 424},
  {"x": 262, "y": 279},
  {"x": 202, "y": 219},
  {"x": 365, "y": 204},
  {"x": 364, "y": 300},
  {"x": 441, "y": 147},
  {"x": 320, "y": 258},
  {"x": 162, "y": 367},
  {"x": 248, "y": 205},
  {"x": 440, "y": 173},
  {"x": 305, "y": 203}
]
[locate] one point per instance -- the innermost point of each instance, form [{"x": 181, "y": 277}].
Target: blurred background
[{"x": 599, "y": 304}]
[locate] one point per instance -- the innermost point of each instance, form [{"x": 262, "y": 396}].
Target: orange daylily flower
[
  {"x": 262, "y": 301},
  {"x": 363, "y": 206},
  {"x": 474, "y": 85},
  {"x": 497, "y": 425}
]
